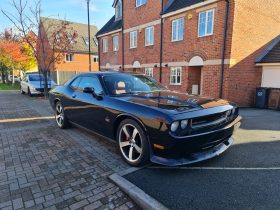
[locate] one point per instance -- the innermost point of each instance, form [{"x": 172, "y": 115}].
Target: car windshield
[
  {"x": 37, "y": 78},
  {"x": 119, "y": 84}
]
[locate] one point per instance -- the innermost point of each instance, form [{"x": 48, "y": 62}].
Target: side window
[
  {"x": 92, "y": 82},
  {"x": 75, "y": 84}
]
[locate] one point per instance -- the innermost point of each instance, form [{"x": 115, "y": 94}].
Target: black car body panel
[{"x": 209, "y": 127}]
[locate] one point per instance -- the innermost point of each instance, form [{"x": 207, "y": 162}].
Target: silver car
[{"x": 33, "y": 84}]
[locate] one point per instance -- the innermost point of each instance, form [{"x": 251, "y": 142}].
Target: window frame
[
  {"x": 176, "y": 68},
  {"x": 97, "y": 59},
  {"x": 151, "y": 72},
  {"x": 177, "y": 32},
  {"x": 105, "y": 48},
  {"x": 71, "y": 55},
  {"x": 151, "y": 31},
  {"x": 118, "y": 10},
  {"x": 133, "y": 39},
  {"x": 113, "y": 39},
  {"x": 76, "y": 79},
  {"x": 95, "y": 77},
  {"x": 206, "y": 21},
  {"x": 141, "y": 3}
]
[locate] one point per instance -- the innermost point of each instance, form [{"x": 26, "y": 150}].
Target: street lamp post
[{"x": 89, "y": 41}]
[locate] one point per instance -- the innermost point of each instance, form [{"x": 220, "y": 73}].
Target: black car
[{"x": 148, "y": 121}]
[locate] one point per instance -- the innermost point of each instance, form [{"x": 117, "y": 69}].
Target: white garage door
[{"x": 271, "y": 76}]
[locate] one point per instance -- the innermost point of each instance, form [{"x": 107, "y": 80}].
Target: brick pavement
[{"x": 43, "y": 167}]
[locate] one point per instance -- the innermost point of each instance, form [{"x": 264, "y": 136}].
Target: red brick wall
[
  {"x": 255, "y": 24},
  {"x": 114, "y": 58},
  {"x": 208, "y": 48}
]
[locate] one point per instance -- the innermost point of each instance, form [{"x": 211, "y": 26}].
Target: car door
[
  {"x": 91, "y": 110},
  {"x": 70, "y": 103},
  {"x": 24, "y": 85}
]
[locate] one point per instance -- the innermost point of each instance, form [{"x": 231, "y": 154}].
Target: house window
[
  {"x": 149, "y": 72},
  {"x": 105, "y": 45},
  {"x": 115, "y": 43},
  {"x": 178, "y": 30},
  {"x": 95, "y": 59},
  {"x": 69, "y": 57},
  {"x": 149, "y": 36},
  {"x": 140, "y": 2},
  {"x": 119, "y": 10},
  {"x": 206, "y": 23},
  {"x": 133, "y": 39},
  {"x": 175, "y": 75}
]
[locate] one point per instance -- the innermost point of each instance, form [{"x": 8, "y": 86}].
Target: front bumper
[
  {"x": 37, "y": 91},
  {"x": 197, "y": 148}
]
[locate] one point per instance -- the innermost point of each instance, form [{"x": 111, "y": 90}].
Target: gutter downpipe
[
  {"x": 122, "y": 36},
  {"x": 161, "y": 43},
  {"x": 224, "y": 49},
  {"x": 99, "y": 44}
]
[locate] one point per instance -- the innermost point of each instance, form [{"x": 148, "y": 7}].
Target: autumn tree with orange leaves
[
  {"x": 14, "y": 54},
  {"x": 49, "y": 41}
]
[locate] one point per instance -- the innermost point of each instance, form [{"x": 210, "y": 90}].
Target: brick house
[
  {"x": 75, "y": 60},
  {"x": 206, "y": 47}
]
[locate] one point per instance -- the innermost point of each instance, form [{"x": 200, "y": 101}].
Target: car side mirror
[{"x": 92, "y": 91}]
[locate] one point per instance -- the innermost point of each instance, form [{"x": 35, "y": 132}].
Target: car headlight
[
  {"x": 184, "y": 124},
  {"x": 228, "y": 113},
  {"x": 174, "y": 126}
]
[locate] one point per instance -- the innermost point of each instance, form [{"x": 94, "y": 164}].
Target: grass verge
[{"x": 9, "y": 86}]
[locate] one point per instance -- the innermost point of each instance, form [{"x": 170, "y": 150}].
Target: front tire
[
  {"x": 29, "y": 92},
  {"x": 60, "y": 117},
  {"x": 21, "y": 90},
  {"x": 133, "y": 143}
]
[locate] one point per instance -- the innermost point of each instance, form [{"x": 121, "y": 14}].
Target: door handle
[{"x": 74, "y": 96}]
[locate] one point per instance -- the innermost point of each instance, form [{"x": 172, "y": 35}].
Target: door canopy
[
  {"x": 196, "y": 61},
  {"x": 136, "y": 65}
]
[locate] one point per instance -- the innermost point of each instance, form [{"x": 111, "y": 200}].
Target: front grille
[{"x": 208, "y": 123}]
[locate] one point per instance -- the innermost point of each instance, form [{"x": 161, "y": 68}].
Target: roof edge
[{"x": 274, "y": 42}]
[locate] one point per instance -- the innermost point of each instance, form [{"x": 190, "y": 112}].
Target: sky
[{"x": 72, "y": 10}]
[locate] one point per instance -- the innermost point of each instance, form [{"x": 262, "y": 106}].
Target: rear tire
[
  {"x": 60, "y": 117},
  {"x": 133, "y": 143}
]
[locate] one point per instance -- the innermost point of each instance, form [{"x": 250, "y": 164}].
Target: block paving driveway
[{"x": 43, "y": 167}]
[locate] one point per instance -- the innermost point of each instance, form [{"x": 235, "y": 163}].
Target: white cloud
[{"x": 92, "y": 4}]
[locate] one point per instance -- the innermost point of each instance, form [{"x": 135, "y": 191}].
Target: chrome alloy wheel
[
  {"x": 130, "y": 143},
  {"x": 59, "y": 115}
]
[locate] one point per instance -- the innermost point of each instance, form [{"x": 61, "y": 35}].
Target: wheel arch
[{"x": 123, "y": 117}]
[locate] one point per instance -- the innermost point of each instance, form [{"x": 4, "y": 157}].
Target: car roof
[{"x": 107, "y": 73}]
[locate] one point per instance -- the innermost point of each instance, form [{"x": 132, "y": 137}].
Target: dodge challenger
[{"x": 147, "y": 121}]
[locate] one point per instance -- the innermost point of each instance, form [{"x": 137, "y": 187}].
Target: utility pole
[{"x": 89, "y": 41}]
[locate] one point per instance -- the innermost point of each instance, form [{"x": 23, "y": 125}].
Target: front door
[
  {"x": 195, "y": 80},
  {"x": 91, "y": 113}
]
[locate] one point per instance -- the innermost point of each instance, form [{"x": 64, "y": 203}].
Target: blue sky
[{"x": 73, "y": 10}]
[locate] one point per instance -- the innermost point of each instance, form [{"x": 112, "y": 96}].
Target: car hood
[{"x": 174, "y": 101}]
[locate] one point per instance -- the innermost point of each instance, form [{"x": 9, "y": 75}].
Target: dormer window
[
  {"x": 140, "y": 2},
  {"x": 86, "y": 40},
  {"x": 119, "y": 10}
]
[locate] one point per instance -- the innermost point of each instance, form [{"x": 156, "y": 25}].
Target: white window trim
[
  {"x": 177, "y": 39},
  {"x": 177, "y": 67},
  {"x": 149, "y": 69},
  {"x": 69, "y": 61},
  {"x": 210, "y": 34},
  {"x": 105, "y": 49},
  {"x": 96, "y": 57},
  {"x": 153, "y": 30},
  {"x": 141, "y": 4},
  {"x": 131, "y": 40},
  {"x": 115, "y": 49}
]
